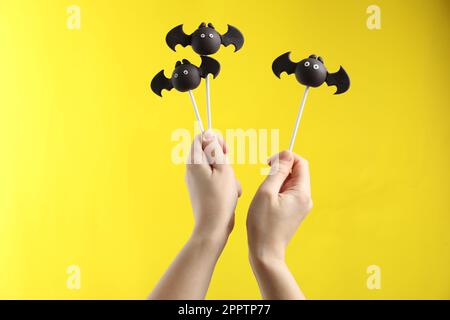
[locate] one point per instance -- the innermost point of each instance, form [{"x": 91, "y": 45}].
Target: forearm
[
  {"x": 274, "y": 278},
  {"x": 189, "y": 275}
]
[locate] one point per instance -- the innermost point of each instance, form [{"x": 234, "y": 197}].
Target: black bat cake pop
[
  {"x": 310, "y": 72},
  {"x": 205, "y": 40},
  {"x": 186, "y": 77}
]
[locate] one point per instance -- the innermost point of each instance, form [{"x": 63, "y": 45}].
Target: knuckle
[
  {"x": 265, "y": 192},
  {"x": 305, "y": 201},
  {"x": 304, "y": 162},
  {"x": 283, "y": 169},
  {"x": 191, "y": 169}
]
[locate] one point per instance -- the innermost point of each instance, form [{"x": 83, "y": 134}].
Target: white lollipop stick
[
  {"x": 208, "y": 102},
  {"x": 299, "y": 116},
  {"x": 197, "y": 114}
]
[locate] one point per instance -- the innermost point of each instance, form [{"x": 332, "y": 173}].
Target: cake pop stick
[
  {"x": 197, "y": 114},
  {"x": 208, "y": 102},
  {"x": 297, "y": 121},
  {"x": 205, "y": 41},
  {"x": 310, "y": 72},
  {"x": 186, "y": 77}
]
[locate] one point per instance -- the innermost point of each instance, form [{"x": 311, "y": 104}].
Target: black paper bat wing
[
  {"x": 209, "y": 65},
  {"x": 339, "y": 79},
  {"x": 233, "y": 36},
  {"x": 283, "y": 64},
  {"x": 160, "y": 82},
  {"x": 177, "y": 36}
]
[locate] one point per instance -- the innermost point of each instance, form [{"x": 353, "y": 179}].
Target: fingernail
[
  {"x": 208, "y": 135},
  {"x": 285, "y": 156}
]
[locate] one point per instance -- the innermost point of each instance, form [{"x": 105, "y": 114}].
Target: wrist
[
  {"x": 267, "y": 264},
  {"x": 264, "y": 255},
  {"x": 214, "y": 227},
  {"x": 213, "y": 240}
]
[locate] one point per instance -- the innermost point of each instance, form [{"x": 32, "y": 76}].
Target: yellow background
[{"x": 86, "y": 176}]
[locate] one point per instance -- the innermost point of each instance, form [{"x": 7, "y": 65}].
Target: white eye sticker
[
  {"x": 307, "y": 63},
  {"x": 316, "y": 66},
  {"x": 185, "y": 72},
  {"x": 175, "y": 75},
  {"x": 202, "y": 35},
  {"x": 211, "y": 35}
]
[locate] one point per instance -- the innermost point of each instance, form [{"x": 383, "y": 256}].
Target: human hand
[
  {"x": 213, "y": 190},
  {"x": 279, "y": 206},
  {"x": 213, "y": 187}
]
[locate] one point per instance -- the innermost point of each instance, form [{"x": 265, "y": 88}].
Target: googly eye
[
  {"x": 316, "y": 66},
  {"x": 211, "y": 35},
  {"x": 175, "y": 75},
  {"x": 202, "y": 35},
  {"x": 185, "y": 72},
  {"x": 307, "y": 63}
]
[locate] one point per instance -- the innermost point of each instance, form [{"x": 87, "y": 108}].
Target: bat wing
[
  {"x": 177, "y": 36},
  {"x": 209, "y": 65},
  {"x": 233, "y": 36},
  {"x": 339, "y": 79},
  {"x": 283, "y": 64},
  {"x": 160, "y": 82}
]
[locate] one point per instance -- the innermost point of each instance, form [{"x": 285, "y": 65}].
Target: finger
[
  {"x": 281, "y": 166},
  {"x": 197, "y": 157},
  {"x": 208, "y": 137},
  {"x": 222, "y": 143},
  {"x": 300, "y": 174},
  {"x": 213, "y": 150}
]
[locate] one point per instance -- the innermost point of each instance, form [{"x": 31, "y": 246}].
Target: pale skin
[
  {"x": 280, "y": 204},
  {"x": 277, "y": 210}
]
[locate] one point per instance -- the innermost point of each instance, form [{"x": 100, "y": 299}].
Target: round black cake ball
[
  {"x": 186, "y": 77},
  {"x": 311, "y": 72},
  {"x": 206, "y": 41}
]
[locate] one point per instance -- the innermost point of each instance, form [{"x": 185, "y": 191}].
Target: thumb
[
  {"x": 210, "y": 136},
  {"x": 281, "y": 166},
  {"x": 213, "y": 149}
]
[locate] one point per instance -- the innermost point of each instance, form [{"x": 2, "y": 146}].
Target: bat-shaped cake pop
[
  {"x": 311, "y": 72},
  {"x": 205, "y": 40},
  {"x": 185, "y": 76}
]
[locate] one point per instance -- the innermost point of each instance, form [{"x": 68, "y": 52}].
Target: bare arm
[
  {"x": 213, "y": 191},
  {"x": 277, "y": 210},
  {"x": 275, "y": 280},
  {"x": 189, "y": 275}
]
